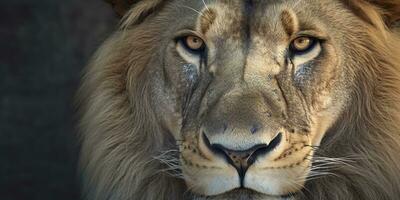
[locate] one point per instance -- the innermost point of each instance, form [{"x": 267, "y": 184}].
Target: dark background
[{"x": 44, "y": 45}]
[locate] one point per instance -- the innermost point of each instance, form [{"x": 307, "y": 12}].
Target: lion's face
[
  {"x": 244, "y": 99},
  {"x": 252, "y": 87}
]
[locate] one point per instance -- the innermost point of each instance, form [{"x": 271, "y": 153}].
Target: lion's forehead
[{"x": 263, "y": 19}]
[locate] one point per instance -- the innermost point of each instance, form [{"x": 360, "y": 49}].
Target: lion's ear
[
  {"x": 121, "y": 6},
  {"x": 139, "y": 9},
  {"x": 374, "y": 10},
  {"x": 389, "y": 9}
]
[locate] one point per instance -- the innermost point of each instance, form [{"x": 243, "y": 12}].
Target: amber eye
[
  {"x": 302, "y": 44},
  {"x": 194, "y": 43}
]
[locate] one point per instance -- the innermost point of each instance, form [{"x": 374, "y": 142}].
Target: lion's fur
[
  {"x": 370, "y": 130},
  {"x": 111, "y": 133},
  {"x": 121, "y": 134}
]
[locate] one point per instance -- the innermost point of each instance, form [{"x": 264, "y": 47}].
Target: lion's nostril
[
  {"x": 266, "y": 149},
  {"x": 246, "y": 157},
  {"x": 254, "y": 129},
  {"x": 240, "y": 159},
  {"x": 274, "y": 142}
]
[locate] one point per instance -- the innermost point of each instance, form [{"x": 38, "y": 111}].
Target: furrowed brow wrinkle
[
  {"x": 289, "y": 22},
  {"x": 207, "y": 20},
  {"x": 312, "y": 32}
]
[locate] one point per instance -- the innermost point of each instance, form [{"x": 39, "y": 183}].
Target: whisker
[
  {"x": 296, "y": 4},
  {"x": 205, "y": 5},
  {"x": 322, "y": 166},
  {"x": 198, "y": 12},
  {"x": 294, "y": 182},
  {"x": 170, "y": 160}
]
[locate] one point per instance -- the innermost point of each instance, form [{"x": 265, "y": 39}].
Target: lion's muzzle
[
  {"x": 243, "y": 143},
  {"x": 241, "y": 159}
]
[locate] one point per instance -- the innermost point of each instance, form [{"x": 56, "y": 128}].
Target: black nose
[{"x": 243, "y": 159}]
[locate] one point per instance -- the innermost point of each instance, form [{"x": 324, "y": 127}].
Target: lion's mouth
[
  {"x": 248, "y": 194},
  {"x": 280, "y": 173},
  {"x": 242, "y": 160}
]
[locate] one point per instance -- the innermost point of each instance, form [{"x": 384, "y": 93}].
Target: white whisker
[
  {"x": 205, "y": 5},
  {"x": 198, "y": 12},
  {"x": 170, "y": 159}
]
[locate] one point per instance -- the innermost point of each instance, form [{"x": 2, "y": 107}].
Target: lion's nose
[{"x": 243, "y": 159}]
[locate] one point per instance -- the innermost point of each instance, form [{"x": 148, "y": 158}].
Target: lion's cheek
[
  {"x": 321, "y": 124},
  {"x": 276, "y": 181},
  {"x": 283, "y": 174},
  {"x": 210, "y": 181}
]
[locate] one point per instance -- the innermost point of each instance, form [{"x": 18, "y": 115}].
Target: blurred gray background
[{"x": 44, "y": 44}]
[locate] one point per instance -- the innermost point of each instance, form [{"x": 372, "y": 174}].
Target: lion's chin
[
  {"x": 274, "y": 184},
  {"x": 244, "y": 194}
]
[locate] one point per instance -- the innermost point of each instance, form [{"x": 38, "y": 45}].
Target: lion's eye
[
  {"x": 302, "y": 44},
  {"x": 304, "y": 49},
  {"x": 193, "y": 43},
  {"x": 192, "y": 48}
]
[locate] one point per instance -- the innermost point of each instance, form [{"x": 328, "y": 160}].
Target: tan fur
[
  {"x": 142, "y": 9},
  {"x": 122, "y": 136},
  {"x": 370, "y": 130},
  {"x": 110, "y": 133}
]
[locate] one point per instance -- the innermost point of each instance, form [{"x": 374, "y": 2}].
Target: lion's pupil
[
  {"x": 302, "y": 43},
  {"x": 194, "y": 42}
]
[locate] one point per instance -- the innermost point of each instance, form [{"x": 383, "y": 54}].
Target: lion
[{"x": 244, "y": 99}]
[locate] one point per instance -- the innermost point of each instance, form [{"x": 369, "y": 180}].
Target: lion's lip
[
  {"x": 269, "y": 176},
  {"x": 248, "y": 192}
]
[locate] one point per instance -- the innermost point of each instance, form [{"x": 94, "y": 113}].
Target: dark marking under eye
[
  {"x": 303, "y": 72},
  {"x": 191, "y": 74}
]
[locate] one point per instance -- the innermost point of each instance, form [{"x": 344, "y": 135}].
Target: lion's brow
[{"x": 289, "y": 22}]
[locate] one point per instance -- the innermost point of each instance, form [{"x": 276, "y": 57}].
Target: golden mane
[
  {"x": 117, "y": 116},
  {"x": 121, "y": 135},
  {"x": 369, "y": 132}
]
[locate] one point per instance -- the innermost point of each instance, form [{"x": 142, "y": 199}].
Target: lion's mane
[{"x": 121, "y": 134}]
